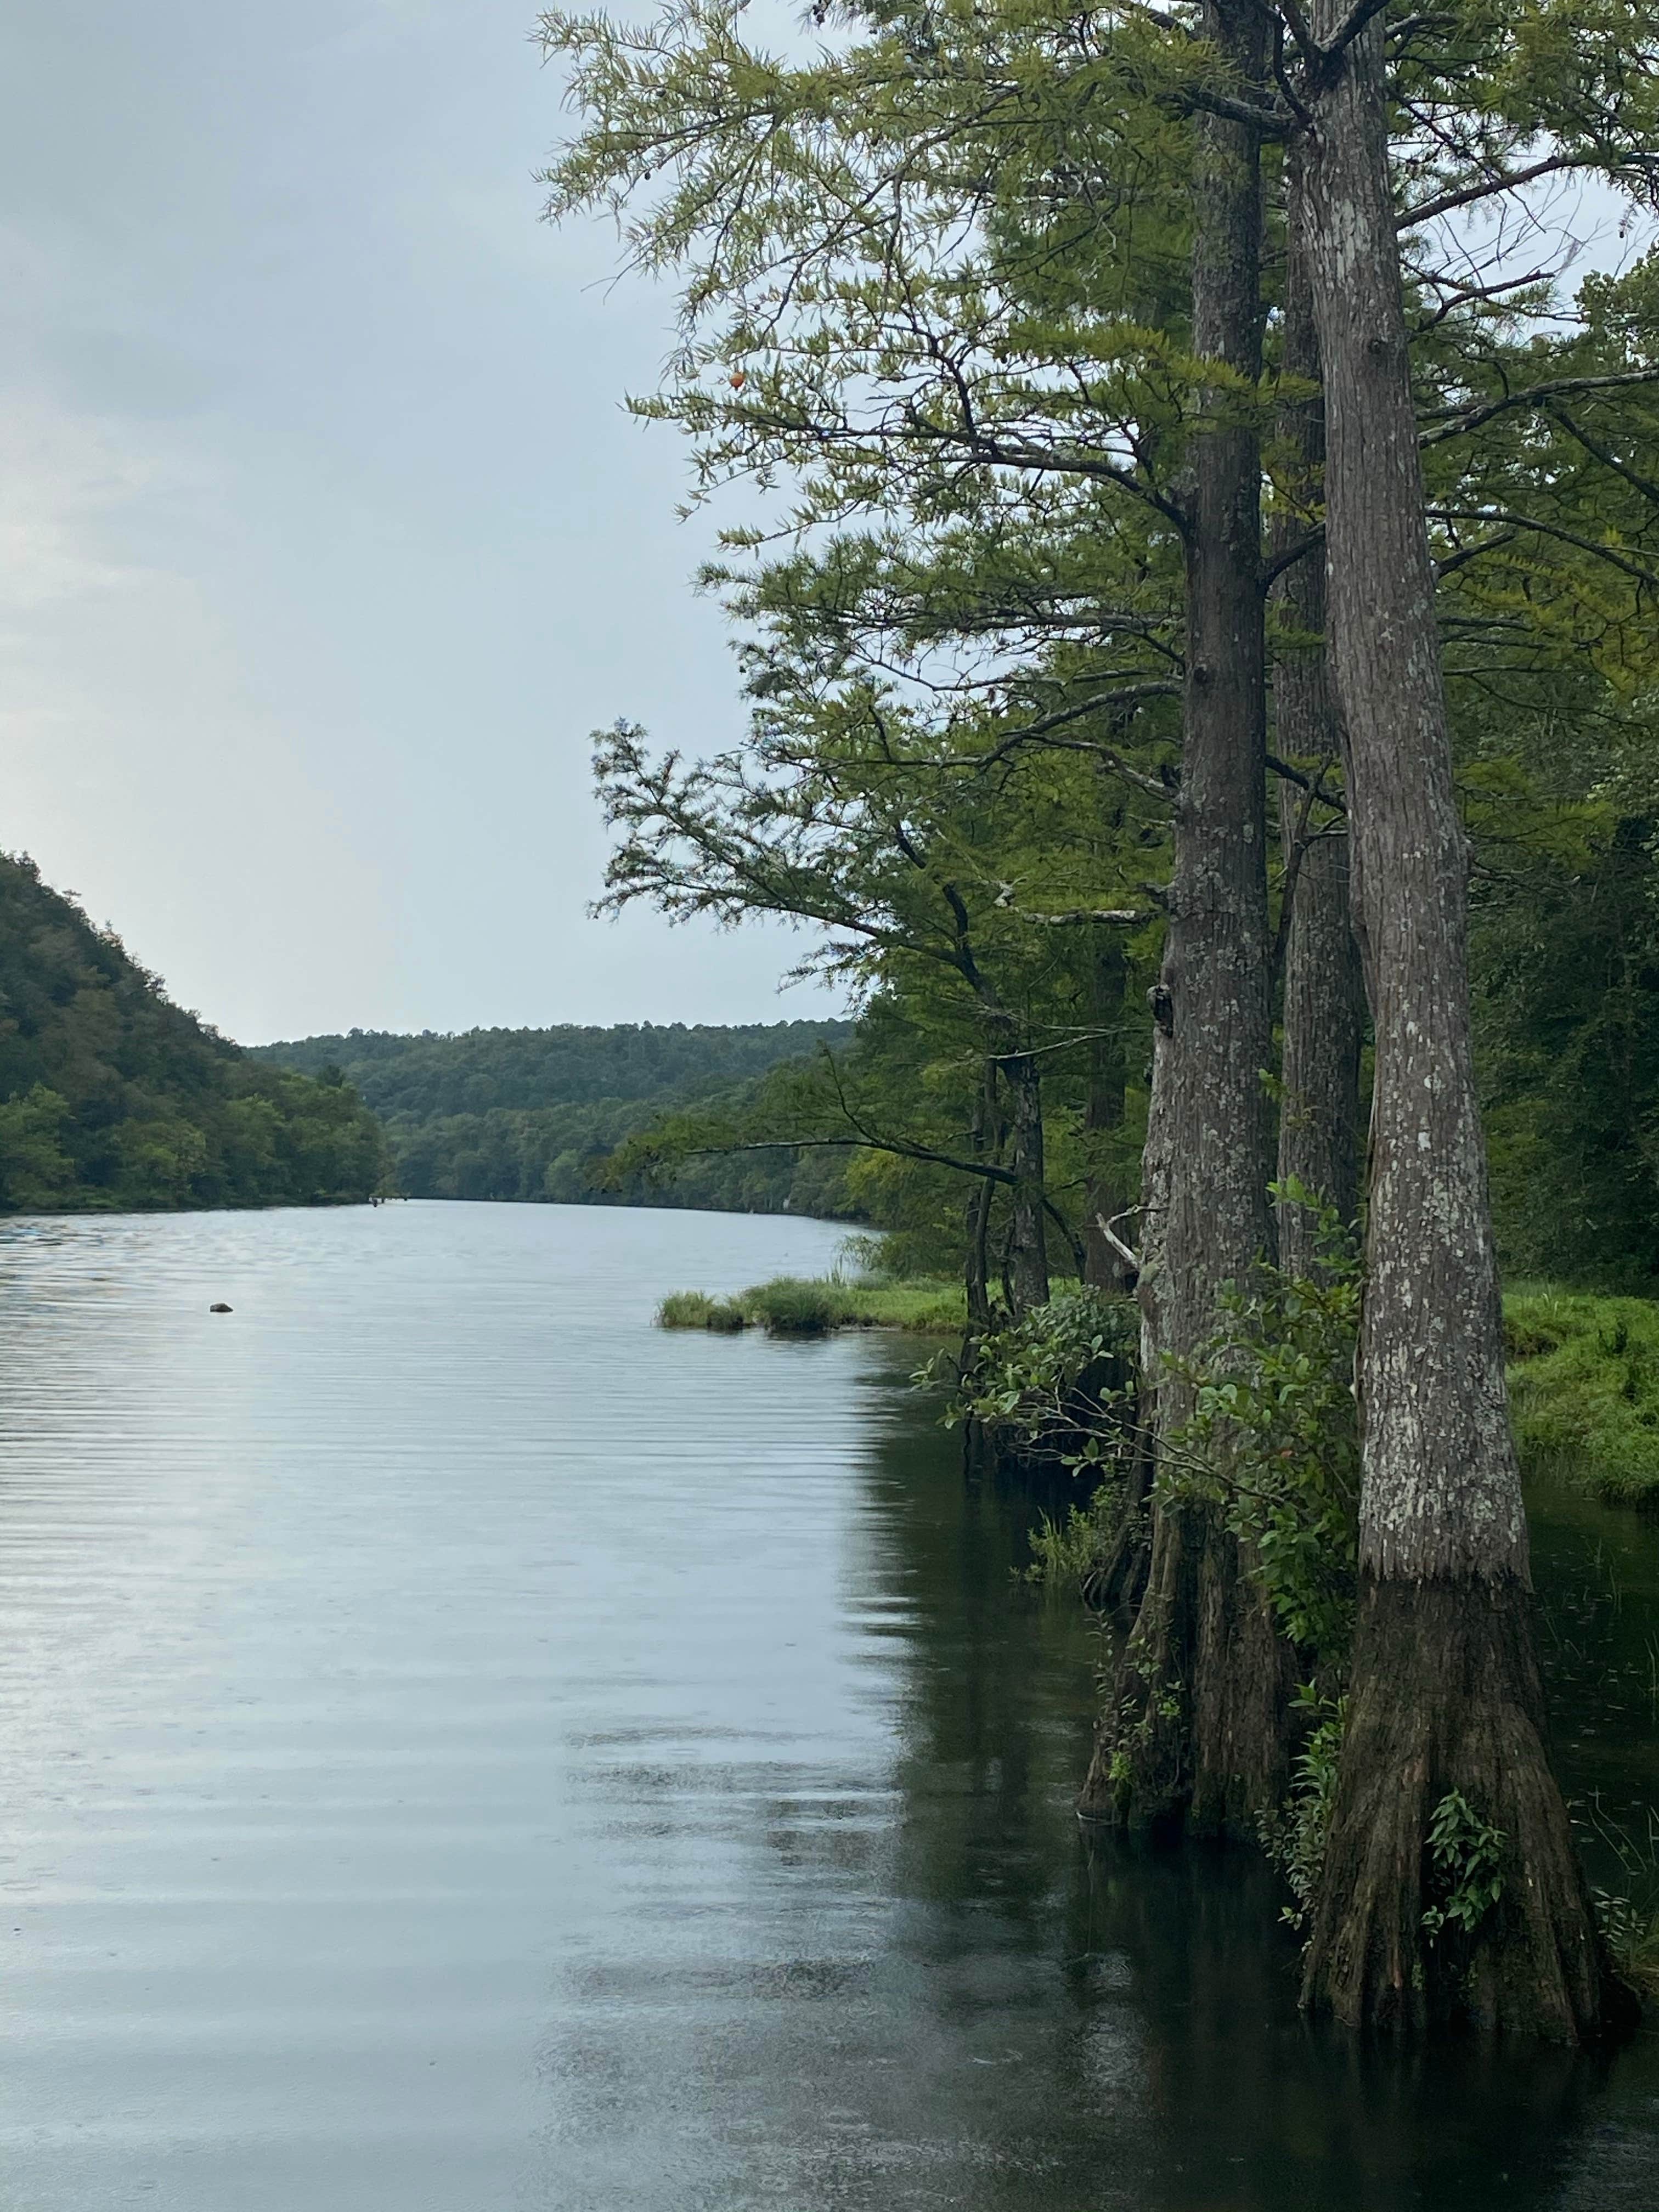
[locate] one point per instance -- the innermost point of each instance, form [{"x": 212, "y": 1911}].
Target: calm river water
[{"x": 464, "y": 1750}]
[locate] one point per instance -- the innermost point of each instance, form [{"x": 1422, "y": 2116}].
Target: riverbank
[{"x": 1583, "y": 1369}]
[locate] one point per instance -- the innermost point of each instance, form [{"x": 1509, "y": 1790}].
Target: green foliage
[
  {"x": 1058, "y": 1378},
  {"x": 430, "y": 1077},
  {"x": 1631, "y": 1933},
  {"x": 1584, "y": 1389},
  {"x": 1296, "y": 1841},
  {"x": 113, "y": 1098},
  {"x": 36, "y": 1174},
  {"x": 1466, "y": 1855},
  {"x": 1273, "y": 1438}
]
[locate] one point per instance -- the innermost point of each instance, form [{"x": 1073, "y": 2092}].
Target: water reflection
[{"x": 466, "y": 1749}]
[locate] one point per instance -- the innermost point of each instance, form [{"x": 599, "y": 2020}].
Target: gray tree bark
[
  {"x": 1445, "y": 1691},
  {"x": 1195, "y": 1729}
]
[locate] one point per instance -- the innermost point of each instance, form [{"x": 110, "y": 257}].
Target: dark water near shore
[{"x": 462, "y": 1750}]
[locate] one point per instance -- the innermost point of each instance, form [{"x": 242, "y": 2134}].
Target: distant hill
[
  {"x": 525, "y": 1114},
  {"x": 113, "y": 1098}
]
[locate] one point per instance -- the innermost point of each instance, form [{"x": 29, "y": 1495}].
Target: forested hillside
[
  {"x": 113, "y": 1098},
  {"x": 530, "y": 1113}
]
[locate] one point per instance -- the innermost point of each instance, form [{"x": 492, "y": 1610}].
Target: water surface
[{"x": 462, "y": 1749}]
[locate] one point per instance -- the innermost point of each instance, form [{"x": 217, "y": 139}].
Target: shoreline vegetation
[
  {"x": 795, "y": 1305},
  {"x": 1583, "y": 1368}
]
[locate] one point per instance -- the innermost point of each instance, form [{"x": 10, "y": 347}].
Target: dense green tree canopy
[{"x": 530, "y": 1114}]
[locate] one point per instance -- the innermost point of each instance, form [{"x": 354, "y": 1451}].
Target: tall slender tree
[
  {"x": 1446, "y": 1732},
  {"x": 1195, "y": 1727}
]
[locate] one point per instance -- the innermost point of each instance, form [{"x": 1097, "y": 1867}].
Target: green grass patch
[
  {"x": 796, "y": 1305},
  {"x": 1584, "y": 1389},
  {"x": 696, "y": 1310}
]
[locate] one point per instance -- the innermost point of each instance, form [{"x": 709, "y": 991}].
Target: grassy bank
[
  {"x": 794, "y": 1305},
  {"x": 1584, "y": 1389}
]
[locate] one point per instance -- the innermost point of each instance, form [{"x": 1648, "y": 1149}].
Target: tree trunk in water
[
  {"x": 1105, "y": 1266},
  {"x": 1323, "y": 1025},
  {"x": 1444, "y": 1692},
  {"x": 1197, "y": 1723}
]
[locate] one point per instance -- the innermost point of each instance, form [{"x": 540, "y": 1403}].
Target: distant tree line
[
  {"x": 112, "y": 1098},
  {"x": 535, "y": 1114}
]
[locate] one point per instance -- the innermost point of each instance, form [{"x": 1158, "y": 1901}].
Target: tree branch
[
  {"x": 1534, "y": 395},
  {"x": 1505, "y": 181}
]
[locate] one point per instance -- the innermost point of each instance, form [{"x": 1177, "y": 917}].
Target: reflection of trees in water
[{"x": 1106, "y": 2022}]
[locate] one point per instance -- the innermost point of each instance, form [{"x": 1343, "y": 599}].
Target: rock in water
[{"x": 221, "y": 1308}]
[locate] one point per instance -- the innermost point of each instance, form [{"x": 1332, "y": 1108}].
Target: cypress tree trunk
[
  {"x": 1444, "y": 1692},
  {"x": 1196, "y": 1724},
  {"x": 1322, "y": 1019},
  {"x": 1105, "y": 1268}
]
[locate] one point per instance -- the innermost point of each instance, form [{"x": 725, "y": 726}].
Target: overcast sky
[{"x": 323, "y": 540}]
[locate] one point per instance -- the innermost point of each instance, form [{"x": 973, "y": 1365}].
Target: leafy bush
[
  {"x": 1057, "y": 1378},
  {"x": 1274, "y": 1442},
  {"x": 1069, "y": 1549}
]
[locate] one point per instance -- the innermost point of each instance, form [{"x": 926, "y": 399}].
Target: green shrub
[{"x": 1057, "y": 1378}]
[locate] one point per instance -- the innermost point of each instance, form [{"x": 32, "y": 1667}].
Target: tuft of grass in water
[
  {"x": 696, "y": 1310},
  {"x": 796, "y": 1305},
  {"x": 1584, "y": 1389},
  {"x": 1069, "y": 1549}
]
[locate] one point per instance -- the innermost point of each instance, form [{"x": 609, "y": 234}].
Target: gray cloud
[{"x": 323, "y": 542}]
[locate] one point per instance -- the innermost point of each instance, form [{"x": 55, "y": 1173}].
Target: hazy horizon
[{"x": 326, "y": 541}]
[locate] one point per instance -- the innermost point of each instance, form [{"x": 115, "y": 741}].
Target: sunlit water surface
[{"x": 462, "y": 1748}]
